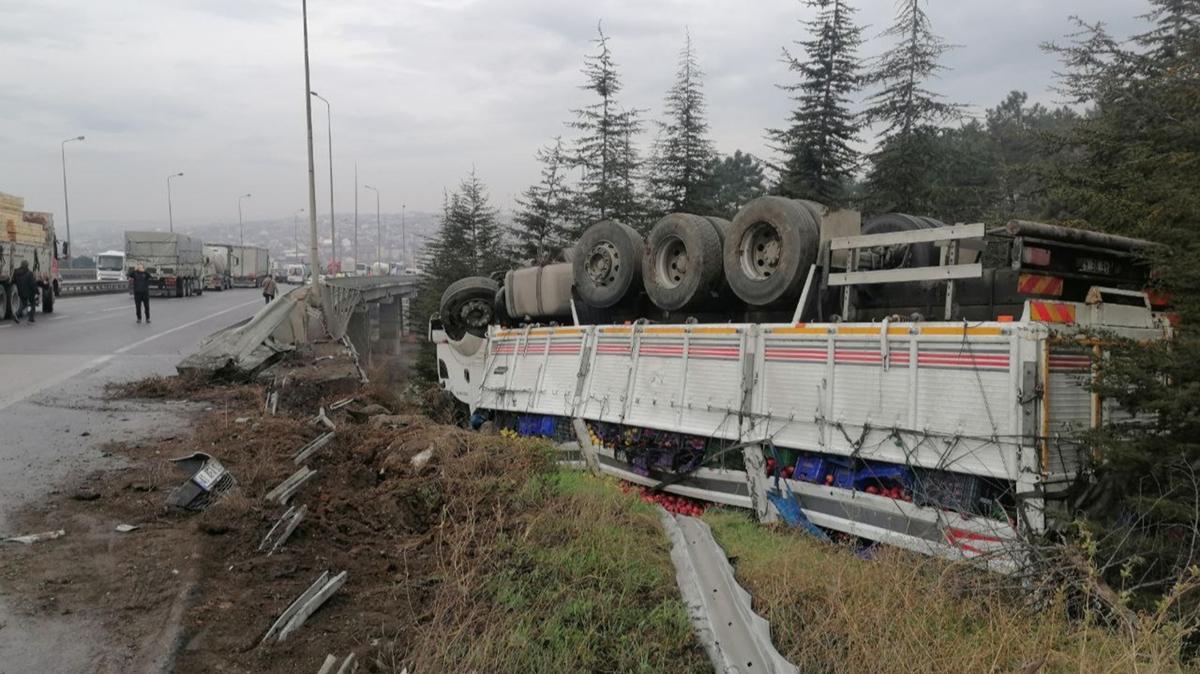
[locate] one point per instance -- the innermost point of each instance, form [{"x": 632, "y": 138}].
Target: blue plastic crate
[
  {"x": 536, "y": 425},
  {"x": 883, "y": 472},
  {"x": 814, "y": 468}
]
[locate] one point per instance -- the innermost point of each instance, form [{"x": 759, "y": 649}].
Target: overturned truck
[{"x": 909, "y": 382}]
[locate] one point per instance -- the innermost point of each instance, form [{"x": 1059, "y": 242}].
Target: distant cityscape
[{"x": 286, "y": 238}]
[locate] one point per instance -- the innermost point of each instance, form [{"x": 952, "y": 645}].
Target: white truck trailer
[
  {"x": 27, "y": 236},
  {"x": 218, "y": 258},
  {"x": 249, "y": 266},
  {"x": 949, "y": 437},
  {"x": 174, "y": 261}
]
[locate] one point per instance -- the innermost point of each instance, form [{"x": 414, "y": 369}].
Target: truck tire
[
  {"x": 770, "y": 246},
  {"x": 608, "y": 263},
  {"x": 8, "y": 296},
  {"x": 466, "y": 306},
  {"x": 682, "y": 263},
  {"x": 901, "y": 256},
  {"x": 722, "y": 226}
]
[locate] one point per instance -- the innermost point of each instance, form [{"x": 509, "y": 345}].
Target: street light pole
[
  {"x": 356, "y": 260},
  {"x": 378, "y": 228},
  {"x": 241, "y": 227},
  {"x": 66, "y": 201},
  {"x": 312, "y": 175},
  {"x": 296, "y": 234},
  {"x": 329, "y": 128},
  {"x": 170, "y": 210},
  {"x": 403, "y": 237}
]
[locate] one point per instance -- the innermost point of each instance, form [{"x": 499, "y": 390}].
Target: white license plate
[{"x": 209, "y": 474}]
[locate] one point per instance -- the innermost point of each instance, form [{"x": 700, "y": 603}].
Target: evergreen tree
[
  {"x": 737, "y": 179},
  {"x": 680, "y": 178},
  {"x": 1019, "y": 134},
  {"x": 908, "y": 112},
  {"x": 605, "y": 152},
  {"x": 819, "y": 157},
  {"x": 473, "y": 215},
  {"x": 542, "y": 221}
]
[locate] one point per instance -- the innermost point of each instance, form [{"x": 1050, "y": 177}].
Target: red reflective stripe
[{"x": 954, "y": 532}]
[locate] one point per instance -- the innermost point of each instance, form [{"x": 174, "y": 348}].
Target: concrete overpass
[{"x": 371, "y": 310}]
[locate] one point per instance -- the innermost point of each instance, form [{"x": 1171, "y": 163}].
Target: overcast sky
[{"x": 422, "y": 90}]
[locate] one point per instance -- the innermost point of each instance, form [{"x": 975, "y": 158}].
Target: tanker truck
[
  {"x": 217, "y": 264},
  {"x": 900, "y": 380},
  {"x": 174, "y": 261},
  {"x": 27, "y": 236}
]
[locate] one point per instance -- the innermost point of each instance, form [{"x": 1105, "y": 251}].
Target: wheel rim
[
  {"x": 603, "y": 263},
  {"x": 761, "y": 248},
  {"x": 476, "y": 312},
  {"x": 671, "y": 263}
]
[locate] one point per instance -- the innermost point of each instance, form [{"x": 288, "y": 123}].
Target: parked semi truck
[
  {"x": 250, "y": 266},
  {"x": 218, "y": 261},
  {"x": 174, "y": 261},
  {"x": 912, "y": 383},
  {"x": 110, "y": 266},
  {"x": 27, "y": 236}
]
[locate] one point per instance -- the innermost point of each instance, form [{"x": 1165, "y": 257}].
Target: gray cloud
[{"x": 422, "y": 90}]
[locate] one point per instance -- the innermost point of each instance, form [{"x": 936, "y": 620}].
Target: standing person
[
  {"x": 27, "y": 286},
  {"x": 269, "y": 289},
  {"x": 141, "y": 291}
]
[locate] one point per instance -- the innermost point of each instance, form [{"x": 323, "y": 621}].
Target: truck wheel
[
  {"x": 607, "y": 263},
  {"x": 8, "y": 296},
  {"x": 771, "y": 245},
  {"x": 722, "y": 226},
  {"x": 904, "y": 255},
  {"x": 48, "y": 301},
  {"x": 682, "y": 263},
  {"x": 466, "y": 306}
]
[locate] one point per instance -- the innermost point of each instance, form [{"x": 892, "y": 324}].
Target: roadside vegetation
[{"x": 834, "y": 611}]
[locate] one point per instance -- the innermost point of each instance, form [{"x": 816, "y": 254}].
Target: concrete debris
[
  {"x": 323, "y": 420},
  {"x": 286, "y": 524},
  {"x": 419, "y": 460},
  {"x": 241, "y": 420},
  {"x": 284, "y": 491},
  {"x": 735, "y": 638},
  {"x": 272, "y": 403},
  {"x": 244, "y": 349},
  {"x": 311, "y": 448},
  {"x": 207, "y": 481},
  {"x": 126, "y": 528},
  {"x": 29, "y": 539},
  {"x": 364, "y": 413},
  {"x": 315, "y": 600},
  {"x": 293, "y": 608}
]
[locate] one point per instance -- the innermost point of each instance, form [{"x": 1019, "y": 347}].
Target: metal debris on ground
[
  {"x": 328, "y": 665},
  {"x": 283, "y": 492},
  {"x": 311, "y": 448},
  {"x": 295, "y": 615},
  {"x": 348, "y": 665},
  {"x": 340, "y": 404},
  {"x": 734, "y": 636},
  {"x": 286, "y": 524},
  {"x": 35, "y": 538},
  {"x": 126, "y": 528},
  {"x": 421, "y": 458},
  {"x": 207, "y": 480},
  {"x": 322, "y": 419}
]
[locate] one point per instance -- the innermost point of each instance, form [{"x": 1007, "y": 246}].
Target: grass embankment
[
  {"x": 831, "y": 611},
  {"x": 586, "y": 584}
]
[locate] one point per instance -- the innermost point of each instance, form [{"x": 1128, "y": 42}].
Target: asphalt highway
[{"x": 55, "y": 419}]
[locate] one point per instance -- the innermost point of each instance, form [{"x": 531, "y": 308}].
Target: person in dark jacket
[
  {"x": 24, "y": 280},
  {"x": 141, "y": 291}
]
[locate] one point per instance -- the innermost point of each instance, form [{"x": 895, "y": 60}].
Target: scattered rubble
[
  {"x": 207, "y": 481},
  {"x": 311, "y": 448},
  {"x": 29, "y": 539},
  {"x": 283, "y": 493}
]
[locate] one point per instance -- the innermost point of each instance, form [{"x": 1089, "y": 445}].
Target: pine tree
[
  {"x": 908, "y": 113},
  {"x": 680, "y": 177},
  {"x": 737, "y": 179},
  {"x": 544, "y": 215},
  {"x": 604, "y": 151},
  {"x": 471, "y": 212},
  {"x": 819, "y": 157}
]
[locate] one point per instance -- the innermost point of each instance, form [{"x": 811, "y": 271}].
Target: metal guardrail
[{"x": 92, "y": 287}]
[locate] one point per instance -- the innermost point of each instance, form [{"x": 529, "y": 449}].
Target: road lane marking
[{"x": 13, "y": 398}]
